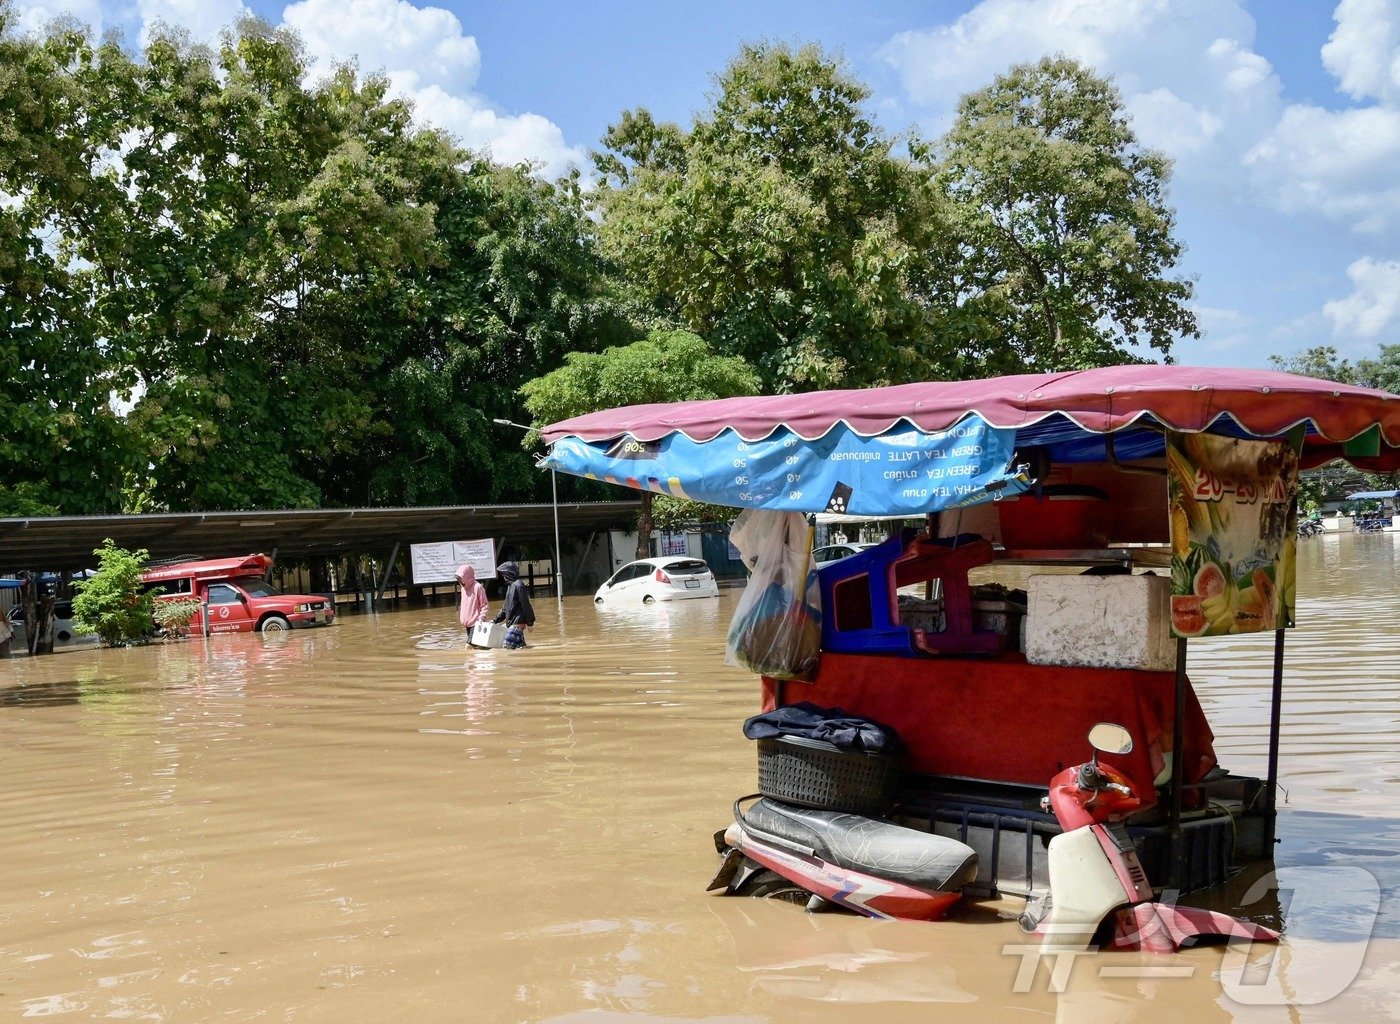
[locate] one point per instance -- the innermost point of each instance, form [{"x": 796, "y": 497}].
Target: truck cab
[{"x": 236, "y": 596}]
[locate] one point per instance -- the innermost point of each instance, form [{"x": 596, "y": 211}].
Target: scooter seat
[{"x": 874, "y": 847}]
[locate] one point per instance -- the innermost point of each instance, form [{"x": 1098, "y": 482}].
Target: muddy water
[{"x": 375, "y": 823}]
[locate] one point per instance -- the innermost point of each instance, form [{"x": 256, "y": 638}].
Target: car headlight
[{"x": 303, "y": 607}]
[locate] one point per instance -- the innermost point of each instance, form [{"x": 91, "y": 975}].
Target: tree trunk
[
  {"x": 31, "y": 623},
  {"x": 644, "y": 526},
  {"x": 43, "y": 632}
]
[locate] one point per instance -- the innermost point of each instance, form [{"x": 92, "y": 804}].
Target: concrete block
[{"x": 1100, "y": 622}]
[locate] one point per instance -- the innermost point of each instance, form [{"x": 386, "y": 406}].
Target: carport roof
[{"x": 66, "y": 542}]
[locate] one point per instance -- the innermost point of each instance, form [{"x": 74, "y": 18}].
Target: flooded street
[{"x": 374, "y": 822}]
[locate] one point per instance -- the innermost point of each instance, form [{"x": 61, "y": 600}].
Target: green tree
[
  {"x": 781, "y": 225},
  {"x": 519, "y": 283},
  {"x": 111, "y": 602},
  {"x": 1382, "y": 372},
  {"x": 62, "y": 446},
  {"x": 666, "y": 366},
  {"x": 1321, "y": 361},
  {"x": 1066, "y": 245}
]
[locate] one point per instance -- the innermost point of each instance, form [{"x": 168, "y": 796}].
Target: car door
[
  {"x": 630, "y": 579},
  {"x": 228, "y": 609}
]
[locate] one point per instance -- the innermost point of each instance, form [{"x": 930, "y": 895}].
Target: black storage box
[{"x": 813, "y": 773}]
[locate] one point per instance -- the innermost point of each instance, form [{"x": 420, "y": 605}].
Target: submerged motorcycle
[
  {"x": 823, "y": 857},
  {"x": 1099, "y": 893},
  {"x": 1098, "y": 889}
]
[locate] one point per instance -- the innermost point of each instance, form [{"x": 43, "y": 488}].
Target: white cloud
[
  {"x": 509, "y": 139},
  {"x": 1340, "y": 164},
  {"x": 430, "y": 60},
  {"x": 1187, "y": 69},
  {"x": 420, "y": 46},
  {"x": 1223, "y": 329},
  {"x": 1363, "y": 52},
  {"x": 34, "y": 16},
  {"x": 203, "y": 19},
  {"x": 1373, "y": 307}
]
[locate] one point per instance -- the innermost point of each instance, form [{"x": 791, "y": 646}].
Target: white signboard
[{"x": 437, "y": 563}]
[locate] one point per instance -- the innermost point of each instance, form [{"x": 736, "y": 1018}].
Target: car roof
[{"x": 665, "y": 560}]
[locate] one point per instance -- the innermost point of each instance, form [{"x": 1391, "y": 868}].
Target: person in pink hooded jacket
[{"x": 475, "y": 607}]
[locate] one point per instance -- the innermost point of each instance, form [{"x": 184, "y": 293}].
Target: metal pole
[
  {"x": 558, "y": 567},
  {"x": 1271, "y": 787},
  {"x": 1178, "y": 769},
  {"x": 387, "y": 569}
]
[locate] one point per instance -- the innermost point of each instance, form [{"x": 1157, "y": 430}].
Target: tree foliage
[
  {"x": 297, "y": 295},
  {"x": 1065, "y": 240},
  {"x": 62, "y": 447},
  {"x": 665, "y": 366},
  {"x": 310, "y": 299},
  {"x": 1324, "y": 362},
  {"x": 782, "y": 226},
  {"x": 112, "y": 602}
]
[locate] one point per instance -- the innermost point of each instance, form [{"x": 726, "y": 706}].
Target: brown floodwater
[{"x": 374, "y": 822}]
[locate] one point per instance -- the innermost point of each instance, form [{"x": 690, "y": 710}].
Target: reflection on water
[{"x": 377, "y": 822}]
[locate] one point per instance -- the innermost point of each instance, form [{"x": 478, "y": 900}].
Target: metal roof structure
[
  {"x": 67, "y": 542},
  {"x": 1369, "y": 495}
]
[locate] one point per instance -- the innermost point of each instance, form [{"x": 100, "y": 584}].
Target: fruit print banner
[{"x": 1234, "y": 528}]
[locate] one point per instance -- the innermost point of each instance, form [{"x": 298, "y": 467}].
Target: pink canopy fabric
[{"x": 1266, "y": 403}]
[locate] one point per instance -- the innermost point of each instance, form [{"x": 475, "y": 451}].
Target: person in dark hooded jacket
[{"x": 518, "y": 614}]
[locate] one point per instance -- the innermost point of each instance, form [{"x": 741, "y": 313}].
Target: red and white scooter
[{"x": 1096, "y": 879}]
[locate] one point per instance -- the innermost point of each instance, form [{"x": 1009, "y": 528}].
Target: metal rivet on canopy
[
  {"x": 1108, "y": 391},
  {"x": 1195, "y": 387},
  {"x": 1268, "y": 390}
]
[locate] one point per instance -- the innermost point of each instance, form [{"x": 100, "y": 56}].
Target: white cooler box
[
  {"x": 488, "y": 634},
  {"x": 1100, "y": 622}
]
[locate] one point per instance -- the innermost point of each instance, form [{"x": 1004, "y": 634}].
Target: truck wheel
[{"x": 274, "y": 624}]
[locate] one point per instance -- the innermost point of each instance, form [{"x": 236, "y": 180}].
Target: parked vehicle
[
  {"x": 65, "y": 629},
  {"x": 832, "y": 552},
  {"x": 237, "y": 596},
  {"x": 1199, "y": 468},
  {"x": 1099, "y": 892},
  {"x": 675, "y": 578}
]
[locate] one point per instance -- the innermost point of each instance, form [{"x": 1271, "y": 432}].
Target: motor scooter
[
  {"x": 825, "y": 857},
  {"x": 1098, "y": 889}
]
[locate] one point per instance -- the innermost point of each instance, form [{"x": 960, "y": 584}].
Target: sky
[{"x": 1282, "y": 117}]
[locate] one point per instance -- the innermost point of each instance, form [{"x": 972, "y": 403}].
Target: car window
[
  {"x": 255, "y": 587},
  {"x": 222, "y": 593},
  {"x": 178, "y": 586},
  {"x": 687, "y": 567}
]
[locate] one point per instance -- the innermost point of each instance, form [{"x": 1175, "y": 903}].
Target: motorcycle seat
[{"x": 868, "y": 845}]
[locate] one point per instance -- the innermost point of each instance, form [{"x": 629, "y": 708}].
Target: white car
[
  {"x": 833, "y": 552},
  {"x": 676, "y": 578}
]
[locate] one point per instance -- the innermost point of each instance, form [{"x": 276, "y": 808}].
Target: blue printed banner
[{"x": 904, "y": 471}]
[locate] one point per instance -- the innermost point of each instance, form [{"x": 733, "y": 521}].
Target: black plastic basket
[{"x": 813, "y": 773}]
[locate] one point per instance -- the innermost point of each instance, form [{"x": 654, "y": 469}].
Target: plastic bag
[{"x": 777, "y": 628}]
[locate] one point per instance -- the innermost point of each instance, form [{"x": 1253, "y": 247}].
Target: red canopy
[{"x": 1266, "y": 403}]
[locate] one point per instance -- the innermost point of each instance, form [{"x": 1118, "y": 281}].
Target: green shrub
[
  {"x": 111, "y": 603},
  {"x": 174, "y": 615}
]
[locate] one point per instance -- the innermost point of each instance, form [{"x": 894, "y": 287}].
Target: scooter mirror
[{"x": 1108, "y": 738}]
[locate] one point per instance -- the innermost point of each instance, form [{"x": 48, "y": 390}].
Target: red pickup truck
[{"x": 237, "y": 597}]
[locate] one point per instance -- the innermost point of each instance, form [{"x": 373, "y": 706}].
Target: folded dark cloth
[{"x": 832, "y": 725}]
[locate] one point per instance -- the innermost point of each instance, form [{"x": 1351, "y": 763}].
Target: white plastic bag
[{"x": 776, "y": 630}]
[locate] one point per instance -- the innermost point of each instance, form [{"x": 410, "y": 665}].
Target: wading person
[
  {"x": 518, "y": 615},
  {"x": 474, "y": 607}
]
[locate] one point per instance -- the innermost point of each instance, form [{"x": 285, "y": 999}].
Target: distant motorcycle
[{"x": 1310, "y": 528}]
